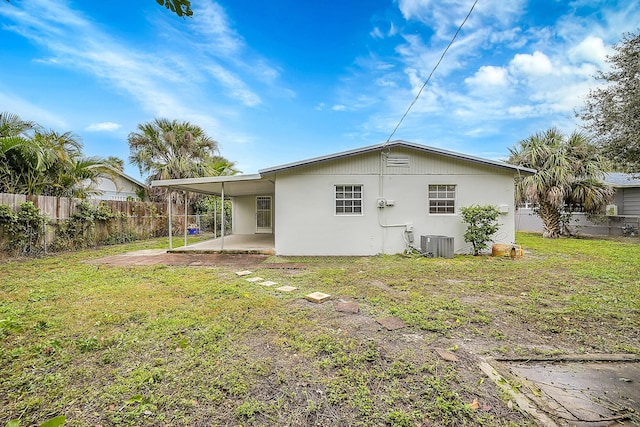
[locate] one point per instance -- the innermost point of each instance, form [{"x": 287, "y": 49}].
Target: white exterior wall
[
  {"x": 307, "y": 224},
  {"x": 124, "y": 189},
  {"x": 244, "y": 214}
]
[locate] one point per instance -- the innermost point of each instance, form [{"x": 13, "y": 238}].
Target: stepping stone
[
  {"x": 268, "y": 283},
  {"x": 391, "y": 323},
  {"x": 347, "y": 307},
  {"x": 317, "y": 297},
  {"x": 286, "y": 288},
  {"x": 446, "y": 355},
  {"x": 243, "y": 273},
  {"x": 254, "y": 279}
]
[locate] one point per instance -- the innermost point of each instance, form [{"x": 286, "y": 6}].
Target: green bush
[
  {"x": 482, "y": 224},
  {"x": 22, "y": 231}
]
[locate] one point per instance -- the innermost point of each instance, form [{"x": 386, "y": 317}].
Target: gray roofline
[
  {"x": 392, "y": 144},
  {"x": 124, "y": 175},
  {"x": 622, "y": 180},
  {"x": 205, "y": 180}
]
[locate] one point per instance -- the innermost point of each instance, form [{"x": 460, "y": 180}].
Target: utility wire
[{"x": 432, "y": 71}]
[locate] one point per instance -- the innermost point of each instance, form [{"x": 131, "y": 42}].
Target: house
[
  {"x": 117, "y": 186},
  {"x": 627, "y": 197},
  {"x": 622, "y": 215},
  {"x": 367, "y": 201}
]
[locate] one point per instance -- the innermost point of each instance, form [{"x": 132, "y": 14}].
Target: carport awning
[{"x": 237, "y": 185}]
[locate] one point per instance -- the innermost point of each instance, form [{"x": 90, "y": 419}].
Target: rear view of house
[{"x": 367, "y": 201}]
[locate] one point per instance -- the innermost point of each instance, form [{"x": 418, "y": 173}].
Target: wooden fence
[{"x": 132, "y": 219}]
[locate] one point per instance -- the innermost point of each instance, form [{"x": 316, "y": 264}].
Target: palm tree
[
  {"x": 37, "y": 162},
  {"x": 169, "y": 149},
  {"x": 570, "y": 171},
  {"x": 15, "y": 138}
]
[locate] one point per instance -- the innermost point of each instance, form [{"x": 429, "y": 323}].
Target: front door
[{"x": 263, "y": 214}]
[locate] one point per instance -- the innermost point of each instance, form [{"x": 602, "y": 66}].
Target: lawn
[{"x": 178, "y": 345}]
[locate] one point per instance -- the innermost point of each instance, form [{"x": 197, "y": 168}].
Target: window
[
  {"x": 442, "y": 199},
  {"x": 348, "y": 199}
]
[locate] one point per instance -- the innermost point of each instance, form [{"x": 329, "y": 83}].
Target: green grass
[{"x": 162, "y": 345}]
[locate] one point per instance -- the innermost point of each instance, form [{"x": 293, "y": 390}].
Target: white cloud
[
  {"x": 103, "y": 127},
  {"x": 488, "y": 76},
  {"x": 339, "y": 107},
  {"x": 537, "y": 64},
  {"x": 237, "y": 88},
  {"x": 591, "y": 49},
  {"x": 376, "y": 33},
  {"x": 444, "y": 16}
]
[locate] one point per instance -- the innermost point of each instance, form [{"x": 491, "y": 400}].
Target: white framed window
[
  {"x": 348, "y": 199},
  {"x": 442, "y": 199}
]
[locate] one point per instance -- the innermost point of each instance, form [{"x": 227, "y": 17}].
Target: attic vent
[{"x": 397, "y": 161}]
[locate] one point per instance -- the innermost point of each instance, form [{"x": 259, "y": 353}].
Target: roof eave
[{"x": 397, "y": 143}]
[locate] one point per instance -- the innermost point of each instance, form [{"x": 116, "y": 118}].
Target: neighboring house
[
  {"x": 365, "y": 201},
  {"x": 627, "y": 198},
  {"x": 622, "y": 215},
  {"x": 119, "y": 186}
]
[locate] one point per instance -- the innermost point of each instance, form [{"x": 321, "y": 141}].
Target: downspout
[
  {"x": 170, "y": 212},
  {"x": 223, "y": 225}
]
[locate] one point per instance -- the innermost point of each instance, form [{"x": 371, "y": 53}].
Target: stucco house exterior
[
  {"x": 367, "y": 201},
  {"x": 117, "y": 186}
]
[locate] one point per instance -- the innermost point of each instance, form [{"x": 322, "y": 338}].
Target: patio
[{"x": 233, "y": 244}]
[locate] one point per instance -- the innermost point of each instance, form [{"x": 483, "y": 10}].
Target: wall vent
[{"x": 394, "y": 161}]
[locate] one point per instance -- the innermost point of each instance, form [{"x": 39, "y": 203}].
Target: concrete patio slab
[
  {"x": 233, "y": 244},
  {"x": 585, "y": 394}
]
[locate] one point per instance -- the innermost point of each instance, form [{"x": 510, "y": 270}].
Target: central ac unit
[{"x": 437, "y": 246}]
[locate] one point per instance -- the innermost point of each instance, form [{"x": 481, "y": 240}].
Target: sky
[{"x": 279, "y": 81}]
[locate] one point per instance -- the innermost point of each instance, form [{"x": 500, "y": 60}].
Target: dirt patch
[{"x": 182, "y": 259}]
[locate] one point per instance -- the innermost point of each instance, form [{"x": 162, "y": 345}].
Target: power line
[{"x": 432, "y": 71}]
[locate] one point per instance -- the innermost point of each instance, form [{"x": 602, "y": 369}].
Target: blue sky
[{"x": 279, "y": 81}]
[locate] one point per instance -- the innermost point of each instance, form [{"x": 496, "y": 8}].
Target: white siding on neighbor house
[
  {"x": 244, "y": 214},
  {"x": 305, "y": 201},
  {"x": 124, "y": 189}
]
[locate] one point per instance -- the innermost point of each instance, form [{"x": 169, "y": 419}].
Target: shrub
[
  {"x": 23, "y": 230},
  {"x": 482, "y": 224}
]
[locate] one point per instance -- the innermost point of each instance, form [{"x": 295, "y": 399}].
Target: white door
[{"x": 263, "y": 214}]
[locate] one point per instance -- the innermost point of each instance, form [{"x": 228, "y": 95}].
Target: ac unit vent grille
[
  {"x": 437, "y": 246},
  {"x": 394, "y": 161}
]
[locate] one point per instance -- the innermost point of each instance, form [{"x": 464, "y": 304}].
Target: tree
[
  {"x": 38, "y": 162},
  {"x": 482, "y": 224},
  {"x": 612, "y": 112},
  {"x": 115, "y": 162},
  {"x": 14, "y": 133},
  {"x": 569, "y": 173},
  {"x": 181, "y": 8},
  {"x": 169, "y": 149}
]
